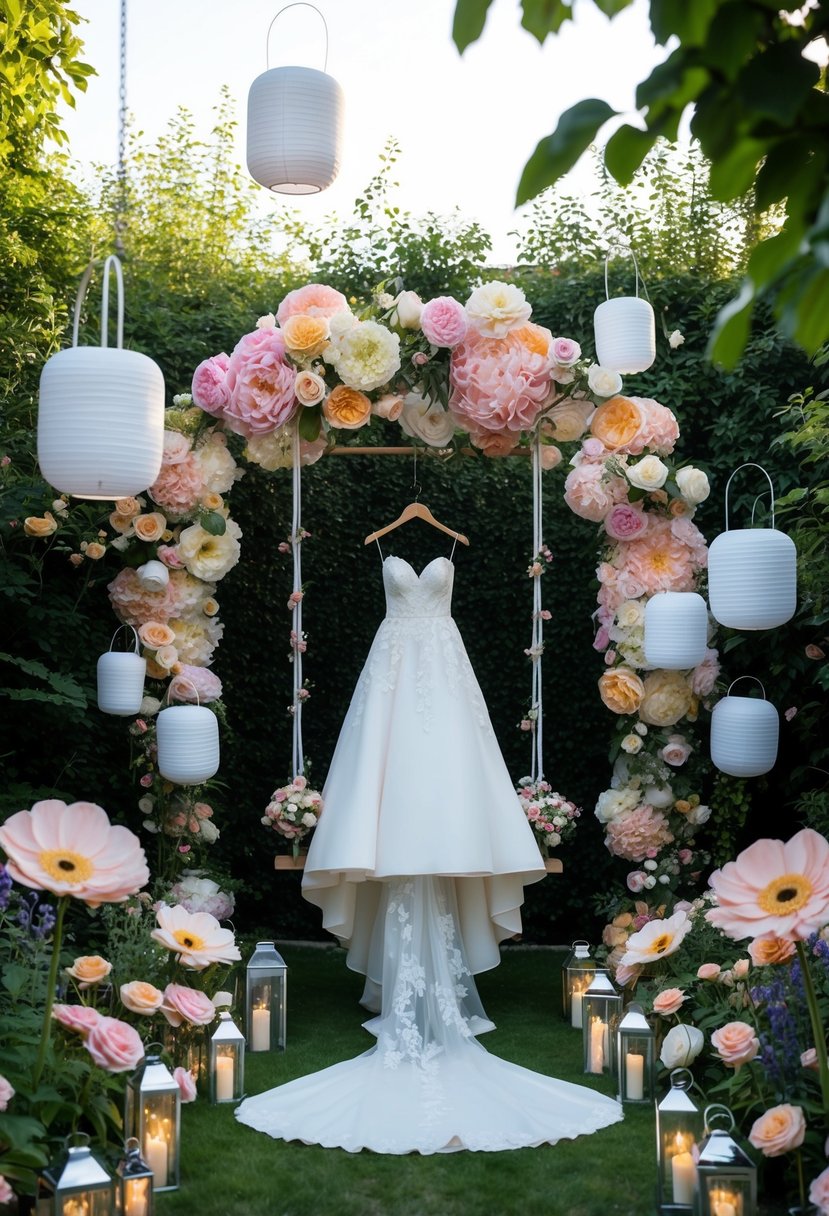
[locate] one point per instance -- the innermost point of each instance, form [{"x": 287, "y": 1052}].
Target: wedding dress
[{"x": 418, "y": 864}]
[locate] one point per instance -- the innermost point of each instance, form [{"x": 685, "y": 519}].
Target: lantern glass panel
[
  {"x": 137, "y": 1197},
  {"x": 726, "y": 1195},
  {"x": 636, "y": 1068},
  {"x": 77, "y": 1186},
  {"x": 602, "y": 1006},
  {"x": 152, "y": 1116},
  {"x": 227, "y": 1062},
  {"x": 577, "y": 975},
  {"x": 266, "y": 999},
  {"x": 680, "y": 1128}
]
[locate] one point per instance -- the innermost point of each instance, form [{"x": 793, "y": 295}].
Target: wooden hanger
[{"x": 416, "y": 510}]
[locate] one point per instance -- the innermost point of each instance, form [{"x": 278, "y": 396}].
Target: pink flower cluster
[
  {"x": 501, "y": 384},
  {"x": 113, "y": 1045},
  {"x": 252, "y": 392},
  {"x": 635, "y": 833},
  {"x": 666, "y": 555},
  {"x": 551, "y": 816},
  {"x": 293, "y": 810}
]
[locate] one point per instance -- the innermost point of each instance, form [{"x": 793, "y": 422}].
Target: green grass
[{"x": 230, "y": 1170}]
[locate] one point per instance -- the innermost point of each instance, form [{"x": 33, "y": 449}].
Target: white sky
[{"x": 466, "y": 125}]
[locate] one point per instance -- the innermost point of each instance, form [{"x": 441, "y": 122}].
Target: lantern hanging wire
[{"x": 120, "y": 218}]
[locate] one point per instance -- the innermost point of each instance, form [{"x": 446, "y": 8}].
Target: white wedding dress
[{"x": 418, "y": 864}]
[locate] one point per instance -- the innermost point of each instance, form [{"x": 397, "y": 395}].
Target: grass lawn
[{"x": 230, "y": 1170}]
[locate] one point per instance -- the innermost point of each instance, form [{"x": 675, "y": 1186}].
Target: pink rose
[
  {"x": 193, "y": 683},
  {"x": 625, "y": 521},
  {"x": 114, "y": 1045},
  {"x": 808, "y": 1059},
  {"x": 704, "y": 676},
  {"x": 565, "y": 352},
  {"x": 602, "y": 638},
  {"x": 741, "y": 968},
  {"x": 309, "y": 388},
  {"x": 676, "y": 751},
  {"x": 628, "y": 973},
  {"x": 6, "y": 1093},
  {"x": 819, "y": 1192},
  {"x": 592, "y": 448},
  {"x": 709, "y": 971},
  {"x": 779, "y": 1130},
  {"x": 314, "y": 300},
  {"x": 668, "y": 1001},
  {"x": 735, "y": 1043},
  {"x": 169, "y": 554},
  {"x": 78, "y": 1018},
  {"x": 550, "y": 456},
  {"x": 636, "y": 881},
  {"x": 209, "y": 387},
  {"x": 444, "y": 321},
  {"x": 183, "y": 1004},
  {"x": 186, "y": 1083}
]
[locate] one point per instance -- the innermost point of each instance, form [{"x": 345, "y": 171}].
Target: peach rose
[
  {"x": 613, "y": 935},
  {"x": 155, "y": 635},
  {"x": 114, "y": 1045},
  {"x": 735, "y": 1043},
  {"x": 550, "y": 456},
  {"x": 668, "y": 1001},
  {"x": 155, "y": 671},
  {"x": 305, "y": 336},
  {"x": 150, "y": 527},
  {"x": 40, "y": 525},
  {"x": 211, "y": 501},
  {"x": 94, "y": 551},
  {"x": 121, "y": 523},
  {"x": 309, "y": 388},
  {"x": 347, "y": 408},
  {"x": 621, "y": 690},
  {"x": 140, "y": 997},
  {"x": 779, "y": 1130},
  {"x": 89, "y": 969},
  {"x": 617, "y": 422},
  {"x": 388, "y": 406},
  {"x": 769, "y": 949},
  {"x": 741, "y": 968},
  {"x": 666, "y": 697},
  {"x": 709, "y": 971},
  {"x": 183, "y": 1004}
]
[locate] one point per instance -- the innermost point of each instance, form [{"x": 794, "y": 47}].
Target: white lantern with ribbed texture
[
  {"x": 121, "y": 678},
  {"x": 625, "y": 330},
  {"x": 153, "y": 575},
  {"x": 100, "y": 427},
  {"x": 295, "y": 126},
  {"x": 188, "y": 743},
  {"x": 744, "y": 734},
  {"x": 752, "y": 572},
  {"x": 676, "y": 630}
]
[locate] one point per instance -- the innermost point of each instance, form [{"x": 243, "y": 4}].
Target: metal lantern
[
  {"x": 676, "y": 630},
  {"x": 100, "y": 426},
  {"x": 601, "y": 1010},
  {"x": 752, "y": 572},
  {"x": 153, "y": 1113},
  {"x": 226, "y": 1061},
  {"x": 726, "y": 1175},
  {"x": 577, "y": 975},
  {"x": 295, "y": 125},
  {"x": 266, "y": 990},
  {"x": 744, "y": 734},
  {"x": 121, "y": 678},
  {"x": 625, "y": 329},
  {"x": 77, "y": 1185},
  {"x": 134, "y": 1181},
  {"x": 635, "y": 1051},
  {"x": 679, "y": 1131}
]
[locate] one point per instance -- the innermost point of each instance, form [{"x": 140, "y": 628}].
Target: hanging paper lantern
[
  {"x": 188, "y": 743},
  {"x": 625, "y": 330},
  {"x": 153, "y": 575},
  {"x": 744, "y": 734},
  {"x": 752, "y": 572},
  {"x": 121, "y": 679},
  {"x": 100, "y": 427},
  {"x": 295, "y": 127},
  {"x": 676, "y": 630}
]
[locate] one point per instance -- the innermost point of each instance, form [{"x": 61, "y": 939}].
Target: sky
[{"x": 466, "y": 125}]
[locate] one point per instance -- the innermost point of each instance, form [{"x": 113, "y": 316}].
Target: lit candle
[
  {"x": 575, "y": 1008},
  {"x": 598, "y": 1030},
  {"x": 75, "y": 1207},
  {"x": 724, "y": 1203},
  {"x": 684, "y": 1174},
  {"x": 137, "y": 1199},
  {"x": 156, "y": 1152},
  {"x": 261, "y": 1030},
  {"x": 635, "y": 1074},
  {"x": 224, "y": 1078}
]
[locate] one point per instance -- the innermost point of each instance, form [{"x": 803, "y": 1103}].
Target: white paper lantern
[
  {"x": 100, "y": 428},
  {"x": 188, "y": 744},
  {"x": 295, "y": 126},
  {"x": 121, "y": 679},
  {"x": 153, "y": 575},
  {"x": 752, "y": 572},
  {"x": 676, "y": 630},
  {"x": 744, "y": 734},
  {"x": 625, "y": 330}
]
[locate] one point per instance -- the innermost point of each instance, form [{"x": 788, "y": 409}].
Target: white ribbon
[
  {"x": 297, "y": 758},
  {"x": 537, "y": 645}
]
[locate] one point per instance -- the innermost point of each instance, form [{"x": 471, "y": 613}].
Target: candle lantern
[
  {"x": 267, "y": 982},
  {"x": 601, "y": 1009},
  {"x": 77, "y": 1185},
  {"x": 726, "y": 1175},
  {"x": 744, "y": 733},
  {"x": 227, "y": 1061},
  {"x": 152, "y": 1116},
  {"x": 679, "y": 1131},
  {"x": 577, "y": 975},
  {"x": 134, "y": 1180},
  {"x": 635, "y": 1050},
  {"x": 676, "y": 630}
]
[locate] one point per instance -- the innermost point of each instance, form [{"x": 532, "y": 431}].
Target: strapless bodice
[{"x": 411, "y": 594}]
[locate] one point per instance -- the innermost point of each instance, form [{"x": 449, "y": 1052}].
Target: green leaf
[
  {"x": 18, "y": 1131},
  {"x": 14, "y": 978},
  {"x": 611, "y": 7},
  {"x": 732, "y": 328},
  {"x": 558, "y": 152},
  {"x": 770, "y": 256},
  {"x": 543, "y": 17},
  {"x": 776, "y": 82},
  {"x": 469, "y": 21},
  {"x": 732, "y": 175},
  {"x": 784, "y": 162},
  {"x": 625, "y": 151},
  {"x": 732, "y": 37},
  {"x": 310, "y": 421},
  {"x": 812, "y": 325},
  {"x": 688, "y": 20},
  {"x": 214, "y": 523}
]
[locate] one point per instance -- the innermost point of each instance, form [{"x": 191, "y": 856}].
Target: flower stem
[
  {"x": 51, "y": 984},
  {"x": 817, "y": 1026},
  {"x": 801, "y": 1181}
]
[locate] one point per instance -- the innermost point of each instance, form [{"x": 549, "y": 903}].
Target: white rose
[
  {"x": 431, "y": 423},
  {"x": 664, "y": 878},
  {"x": 218, "y": 468},
  {"x": 120, "y": 543},
  {"x": 603, "y": 382},
  {"x": 630, "y": 614},
  {"x": 494, "y": 309},
  {"x": 699, "y": 815},
  {"x": 149, "y": 707},
  {"x": 650, "y": 864},
  {"x": 210, "y": 557},
  {"x": 309, "y": 820},
  {"x": 640, "y": 728},
  {"x": 650, "y": 882},
  {"x": 408, "y": 307},
  {"x": 676, "y": 339},
  {"x": 649, "y": 473},
  {"x": 208, "y": 830},
  {"x": 693, "y": 485},
  {"x": 612, "y": 803},
  {"x": 553, "y": 838},
  {"x": 658, "y": 796},
  {"x": 309, "y": 388},
  {"x": 681, "y": 1046},
  {"x": 632, "y": 744}
]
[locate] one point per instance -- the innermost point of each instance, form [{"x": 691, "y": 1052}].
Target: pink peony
[
  {"x": 736, "y": 1043},
  {"x": 705, "y": 674},
  {"x": 501, "y": 383},
  {"x": 114, "y": 1045},
  {"x": 779, "y": 1130},
  {"x": 74, "y": 850},
  {"x": 209, "y": 387},
  {"x": 658, "y": 560},
  {"x": 688, "y": 534},
  {"x": 589, "y": 494},
  {"x": 171, "y": 557},
  {"x": 660, "y": 429},
  {"x": 314, "y": 300},
  {"x": 625, "y": 521},
  {"x": 668, "y": 1001},
  {"x": 183, "y": 1004},
  {"x": 193, "y": 684},
  {"x": 819, "y": 1193},
  {"x": 6, "y": 1093},
  {"x": 261, "y": 384},
  {"x": 774, "y": 887},
  {"x": 632, "y": 834},
  {"x": 444, "y": 321},
  {"x": 186, "y": 1083},
  {"x": 135, "y": 606},
  {"x": 178, "y": 487},
  {"x": 78, "y": 1018}
]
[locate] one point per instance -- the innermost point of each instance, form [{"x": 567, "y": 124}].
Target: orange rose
[
  {"x": 155, "y": 635},
  {"x": 150, "y": 527},
  {"x": 89, "y": 969},
  {"x": 768, "y": 950},
  {"x": 40, "y": 525},
  {"x": 121, "y": 522},
  {"x": 621, "y": 690},
  {"x": 305, "y": 336},
  {"x": 534, "y": 338},
  {"x": 139, "y": 997},
  {"x": 617, "y": 422},
  {"x": 347, "y": 408}
]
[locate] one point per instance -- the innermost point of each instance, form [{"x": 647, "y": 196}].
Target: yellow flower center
[
  {"x": 788, "y": 893},
  {"x": 66, "y": 866},
  {"x": 661, "y": 943},
  {"x": 660, "y": 561},
  {"x": 188, "y": 941}
]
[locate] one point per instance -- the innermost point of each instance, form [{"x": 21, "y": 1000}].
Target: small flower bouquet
[
  {"x": 293, "y": 811},
  {"x": 551, "y": 816}
]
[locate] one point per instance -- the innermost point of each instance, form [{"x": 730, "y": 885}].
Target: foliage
[{"x": 760, "y": 115}]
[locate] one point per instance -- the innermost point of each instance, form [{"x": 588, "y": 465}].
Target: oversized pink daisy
[
  {"x": 74, "y": 850},
  {"x": 196, "y": 937},
  {"x": 774, "y": 887},
  {"x": 657, "y": 939}
]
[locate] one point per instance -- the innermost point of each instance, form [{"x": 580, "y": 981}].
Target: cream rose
[
  {"x": 210, "y": 557},
  {"x": 649, "y": 473},
  {"x": 150, "y": 527},
  {"x": 89, "y": 969},
  {"x": 121, "y": 523},
  {"x": 630, "y": 614},
  {"x": 779, "y": 1130},
  {"x": 407, "y": 309},
  {"x": 693, "y": 485},
  {"x": 621, "y": 690},
  {"x": 568, "y": 420},
  {"x": 140, "y": 997},
  {"x": 95, "y": 551},
  {"x": 40, "y": 525},
  {"x": 494, "y": 309},
  {"x": 612, "y": 803},
  {"x": 603, "y": 382},
  {"x": 309, "y": 388},
  {"x": 681, "y": 1046},
  {"x": 632, "y": 744},
  {"x": 666, "y": 697},
  {"x": 735, "y": 1043},
  {"x": 431, "y": 423}
]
